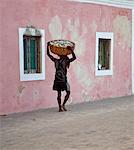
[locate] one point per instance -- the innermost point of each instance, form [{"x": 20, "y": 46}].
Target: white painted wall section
[
  {"x": 133, "y": 51},
  {"x": 116, "y": 3}
]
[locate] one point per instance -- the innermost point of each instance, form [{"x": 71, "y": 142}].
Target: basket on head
[{"x": 61, "y": 47}]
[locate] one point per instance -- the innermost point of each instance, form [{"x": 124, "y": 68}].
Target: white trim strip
[
  {"x": 133, "y": 51},
  {"x": 116, "y": 3}
]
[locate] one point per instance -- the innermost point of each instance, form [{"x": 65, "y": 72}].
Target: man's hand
[
  {"x": 73, "y": 54},
  {"x": 70, "y": 48}
]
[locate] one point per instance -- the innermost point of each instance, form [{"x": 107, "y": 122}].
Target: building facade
[{"x": 103, "y": 34}]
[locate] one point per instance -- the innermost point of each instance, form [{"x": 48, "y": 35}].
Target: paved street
[{"x": 101, "y": 125}]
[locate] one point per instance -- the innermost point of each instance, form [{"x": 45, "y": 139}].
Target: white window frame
[
  {"x": 104, "y": 35},
  {"x": 35, "y": 76}
]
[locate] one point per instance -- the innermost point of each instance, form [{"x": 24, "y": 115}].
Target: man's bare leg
[
  {"x": 65, "y": 100},
  {"x": 59, "y": 101}
]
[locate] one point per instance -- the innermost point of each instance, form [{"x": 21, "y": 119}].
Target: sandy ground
[{"x": 102, "y": 125}]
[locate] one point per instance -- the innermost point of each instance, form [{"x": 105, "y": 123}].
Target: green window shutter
[
  {"x": 38, "y": 54},
  {"x": 32, "y": 54},
  {"x": 103, "y": 54},
  {"x": 25, "y": 53}
]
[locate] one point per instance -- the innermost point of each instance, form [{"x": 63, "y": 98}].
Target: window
[
  {"x": 104, "y": 53},
  {"x": 32, "y": 54}
]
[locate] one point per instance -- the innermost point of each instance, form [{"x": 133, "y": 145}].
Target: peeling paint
[
  {"x": 55, "y": 28},
  {"x": 73, "y": 27},
  {"x": 94, "y": 26},
  {"x": 85, "y": 96},
  {"x": 82, "y": 75},
  {"x": 20, "y": 90},
  {"x": 78, "y": 37},
  {"x": 121, "y": 26}
]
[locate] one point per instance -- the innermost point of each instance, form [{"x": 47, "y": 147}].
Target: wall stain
[
  {"x": 72, "y": 28},
  {"x": 20, "y": 89},
  {"x": 122, "y": 29}
]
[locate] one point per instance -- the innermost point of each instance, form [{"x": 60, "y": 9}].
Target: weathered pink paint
[{"x": 86, "y": 20}]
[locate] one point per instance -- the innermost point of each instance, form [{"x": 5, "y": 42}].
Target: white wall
[
  {"x": 117, "y": 3},
  {"x": 133, "y": 51}
]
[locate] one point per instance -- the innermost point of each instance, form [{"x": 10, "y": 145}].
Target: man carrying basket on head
[{"x": 60, "y": 82}]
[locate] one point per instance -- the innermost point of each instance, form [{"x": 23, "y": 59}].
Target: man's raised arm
[
  {"x": 48, "y": 53},
  {"x": 73, "y": 55}
]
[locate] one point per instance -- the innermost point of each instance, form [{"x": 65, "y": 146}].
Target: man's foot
[
  {"x": 63, "y": 107},
  {"x": 60, "y": 109}
]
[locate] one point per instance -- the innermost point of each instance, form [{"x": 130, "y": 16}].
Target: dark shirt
[{"x": 61, "y": 66}]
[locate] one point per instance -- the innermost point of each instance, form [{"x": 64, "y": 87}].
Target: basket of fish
[{"x": 61, "y": 47}]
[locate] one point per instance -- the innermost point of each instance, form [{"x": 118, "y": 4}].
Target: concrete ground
[{"x": 101, "y": 125}]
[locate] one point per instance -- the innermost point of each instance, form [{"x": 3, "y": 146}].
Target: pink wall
[{"x": 61, "y": 19}]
